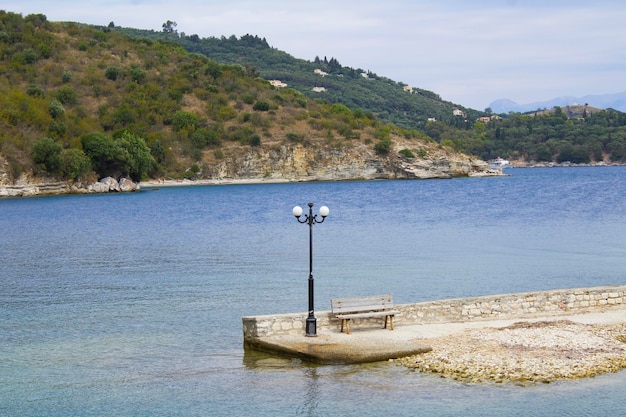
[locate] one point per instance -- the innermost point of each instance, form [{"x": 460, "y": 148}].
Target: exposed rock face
[
  {"x": 299, "y": 163},
  {"x": 111, "y": 183},
  {"x": 289, "y": 163},
  {"x": 126, "y": 185},
  {"x": 98, "y": 187}
]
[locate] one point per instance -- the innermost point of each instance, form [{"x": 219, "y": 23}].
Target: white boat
[{"x": 499, "y": 163}]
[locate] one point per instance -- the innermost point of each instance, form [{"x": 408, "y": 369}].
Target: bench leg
[
  {"x": 390, "y": 322},
  {"x": 347, "y": 323}
]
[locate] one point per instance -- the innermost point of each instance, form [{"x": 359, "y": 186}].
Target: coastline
[
  {"x": 520, "y": 338},
  {"x": 156, "y": 183}
]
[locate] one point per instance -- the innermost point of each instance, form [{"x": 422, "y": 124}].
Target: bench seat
[{"x": 346, "y": 309}]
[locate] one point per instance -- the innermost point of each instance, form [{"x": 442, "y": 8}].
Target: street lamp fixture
[{"x": 310, "y": 219}]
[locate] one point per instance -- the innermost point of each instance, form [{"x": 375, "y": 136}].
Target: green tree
[
  {"x": 47, "y": 152},
  {"x": 73, "y": 163},
  {"x": 103, "y": 154},
  {"x": 169, "y": 27},
  {"x": 138, "y": 160}
]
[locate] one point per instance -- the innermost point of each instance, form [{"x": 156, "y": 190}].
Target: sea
[{"x": 130, "y": 304}]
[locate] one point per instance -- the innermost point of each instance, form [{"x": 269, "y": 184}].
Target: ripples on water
[{"x": 131, "y": 304}]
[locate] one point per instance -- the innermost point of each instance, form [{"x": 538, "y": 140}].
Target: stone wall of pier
[{"x": 493, "y": 307}]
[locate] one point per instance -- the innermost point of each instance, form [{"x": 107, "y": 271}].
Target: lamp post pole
[{"x": 310, "y": 219}]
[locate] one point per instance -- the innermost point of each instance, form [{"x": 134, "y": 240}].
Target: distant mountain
[{"x": 615, "y": 101}]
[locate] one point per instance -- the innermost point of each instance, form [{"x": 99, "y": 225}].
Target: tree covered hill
[
  {"x": 82, "y": 102},
  {"x": 405, "y": 106},
  {"x": 79, "y": 102},
  {"x": 556, "y": 135}
]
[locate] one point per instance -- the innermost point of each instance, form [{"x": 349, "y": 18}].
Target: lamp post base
[{"x": 311, "y": 327}]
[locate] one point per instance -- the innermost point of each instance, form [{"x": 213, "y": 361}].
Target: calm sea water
[{"x": 131, "y": 304}]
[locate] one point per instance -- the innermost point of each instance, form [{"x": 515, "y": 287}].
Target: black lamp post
[{"x": 310, "y": 219}]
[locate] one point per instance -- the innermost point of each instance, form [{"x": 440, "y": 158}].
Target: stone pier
[{"x": 552, "y": 303}]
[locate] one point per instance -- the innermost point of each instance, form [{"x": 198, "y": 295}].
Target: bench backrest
[{"x": 357, "y": 304}]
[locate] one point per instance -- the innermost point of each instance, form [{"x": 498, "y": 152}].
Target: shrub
[
  {"x": 124, "y": 115},
  {"x": 383, "y": 147},
  {"x": 295, "y": 137},
  {"x": 137, "y": 74},
  {"x": 56, "y": 109},
  {"x": 338, "y": 108},
  {"x": 66, "y": 95},
  {"x": 30, "y": 56},
  {"x": 184, "y": 120},
  {"x": 203, "y": 137},
  {"x": 407, "y": 152},
  {"x": 34, "y": 90},
  {"x": 57, "y": 128},
  {"x": 261, "y": 106},
  {"x": 247, "y": 98},
  {"x": 226, "y": 113},
  {"x": 67, "y": 76},
  {"x": 112, "y": 73}
]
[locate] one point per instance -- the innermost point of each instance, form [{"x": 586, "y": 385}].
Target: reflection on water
[{"x": 312, "y": 392}]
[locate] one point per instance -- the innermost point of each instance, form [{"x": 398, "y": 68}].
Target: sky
[{"x": 469, "y": 52}]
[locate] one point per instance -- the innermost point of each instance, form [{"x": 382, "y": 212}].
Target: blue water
[{"x": 131, "y": 304}]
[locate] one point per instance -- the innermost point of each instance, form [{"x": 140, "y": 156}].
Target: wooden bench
[{"x": 346, "y": 309}]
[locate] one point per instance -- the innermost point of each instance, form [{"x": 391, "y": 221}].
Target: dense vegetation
[
  {"x": 549, "y": 136},
  {"x": 80, "y": 102},
  {"x": 352, "y": 87},
  {"x": 556, "y": 136}
]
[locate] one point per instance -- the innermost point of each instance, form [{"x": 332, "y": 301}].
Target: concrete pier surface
[
  {"x": 416, "y": 323},
  {"x": 372, "y": 343}
]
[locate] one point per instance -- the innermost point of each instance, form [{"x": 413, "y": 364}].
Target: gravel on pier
[{"x": 526, "y": 352}]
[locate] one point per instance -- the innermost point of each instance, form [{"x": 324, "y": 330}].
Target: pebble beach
[{"x": 525, "y": 352}]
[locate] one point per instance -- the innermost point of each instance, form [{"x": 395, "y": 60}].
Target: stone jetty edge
[
  {"x": 423, "y": 327},
  {"x": 549, "y": 303}
]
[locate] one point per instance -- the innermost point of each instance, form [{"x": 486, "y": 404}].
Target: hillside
[
  {"x": 79, "y": 103},
  {"x": 409, "y": 107},
  {"x": 593, "y": 136}
]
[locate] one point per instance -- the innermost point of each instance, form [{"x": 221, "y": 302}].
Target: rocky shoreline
[{"x": 525, "y": 353}]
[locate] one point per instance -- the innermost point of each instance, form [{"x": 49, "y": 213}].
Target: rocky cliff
[
  {"x": 287, "y": 163},
  {"x": 360, "y": 162}
]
